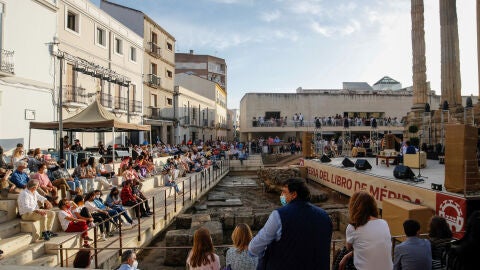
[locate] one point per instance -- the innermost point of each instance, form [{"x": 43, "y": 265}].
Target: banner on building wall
[{"x": 452, "y": 208}]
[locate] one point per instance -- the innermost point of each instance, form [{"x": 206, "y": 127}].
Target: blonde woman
[
  {"x": 18, "y": 154},
  {"x": 202, "y": 255},
  {"x": 237, "y": 256}
]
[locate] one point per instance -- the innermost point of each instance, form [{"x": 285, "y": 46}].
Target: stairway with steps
[
  {"x": 21, "y": 248},
  {"x": 253, "y": 163}
]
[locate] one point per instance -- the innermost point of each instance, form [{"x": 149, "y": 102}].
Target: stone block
[
  {"x": 244, "y": 217},
  {"x": 199, "y": 219},
  {"x": 183, "y": 221},
  {"x": 334, "y": 217},
  {"x": 343, "y": 220},
  {"x": 228, "y": 221},
  {"x": 173, "y": 256},
  {"x": 259, "y": 219},
  {"x": 216, "y": 231}
]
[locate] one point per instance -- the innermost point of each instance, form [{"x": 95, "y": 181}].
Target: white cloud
[
  {"x": 306, "y": 7},
  {"x": 350, "y": 28},
  {"x": 270, "y": 16},
  {"x": 325, "y": 31}
]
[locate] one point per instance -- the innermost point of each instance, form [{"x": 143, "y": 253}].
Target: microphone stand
[{"x": 419, "y": 177}]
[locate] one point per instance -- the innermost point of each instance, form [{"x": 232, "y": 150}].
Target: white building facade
[
  {"x": 212, "y": 91},
  {"x": 99, "y": 45},
  {"x": 26, "y": 73},
  {"x": 196, "y": 116},
  {"x": 158, "y": 68}
]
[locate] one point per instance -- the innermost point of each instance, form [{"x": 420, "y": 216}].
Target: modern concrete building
[
  {"x": 264, "y": 114},
  {"x": 158, "y": 68},
  {"x": 26, "y": 71},
  {"x": 103, "y": 60},
  {"x": 206, "y": 66},
  {"x": 212, "y": 91}
]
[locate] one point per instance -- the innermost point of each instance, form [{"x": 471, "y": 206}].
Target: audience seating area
[{"x": 21, "y": 248}]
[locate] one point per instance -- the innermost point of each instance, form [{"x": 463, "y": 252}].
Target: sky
[{"x": 280, "y": 45}]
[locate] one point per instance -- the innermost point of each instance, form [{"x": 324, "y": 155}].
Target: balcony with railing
[
  {"x": 120, "y": 104},
  {"x": 154, "y": 49},
  {"x": 106, "y": 100},
  {"x": 7, "y": 65},
  {"x": 159, "y": 113},
  {"x": 135, "y": 107},
  {"x": 153, "y": 80},
  {"x": 74, "y": 96}
]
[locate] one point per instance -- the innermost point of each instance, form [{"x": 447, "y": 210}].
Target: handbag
[{"x": 339, "y": 256}]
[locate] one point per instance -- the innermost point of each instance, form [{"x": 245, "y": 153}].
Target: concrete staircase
[
  {"x": 21, "y": 248},
  {"x": 253, "y": 163}
]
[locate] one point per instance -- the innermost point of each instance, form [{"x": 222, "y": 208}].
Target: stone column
[
  {"x": 418, "y": 51},
  {"x": 478, "y": 45},
  {"x": 450, "y": 61}
]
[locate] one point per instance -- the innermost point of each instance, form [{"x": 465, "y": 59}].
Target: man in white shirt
[{"x": 28, "y": 209}]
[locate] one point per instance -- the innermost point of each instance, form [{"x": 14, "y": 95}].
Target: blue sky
[{"x": 280, "y": 45}]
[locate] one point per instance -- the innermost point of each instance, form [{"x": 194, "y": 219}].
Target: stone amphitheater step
[
  {"x": 9, "y": 228},
  {"x": 8, "y": 210},
  {"x": 46, "y": 260},
  {"x": 19, "y": 249},
  {"x": 15, "y": 242},
  {"x": 25, "y": 254}
]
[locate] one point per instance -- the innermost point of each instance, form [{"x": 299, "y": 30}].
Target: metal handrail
[
  {"x": 72, "y": 93},
  {"x": 223, "y": 169},
  {"x": 121, "y": 103}
]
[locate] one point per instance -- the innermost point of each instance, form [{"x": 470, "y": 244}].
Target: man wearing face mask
[
  {"x": 129, "y": 260},
  {"x": 295, "y": 236}
]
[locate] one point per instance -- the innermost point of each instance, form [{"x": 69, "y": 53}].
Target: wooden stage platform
[{"x": 380, "y": 182}]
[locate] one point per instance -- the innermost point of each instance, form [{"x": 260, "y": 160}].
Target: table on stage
[{"x": 386, "y": 158}]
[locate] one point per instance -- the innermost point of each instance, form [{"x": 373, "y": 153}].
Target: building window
[
  {"x": 169, "y": 74},
  {"x": 101, "y": 37},
  {"x": 169, "y": 101},
  {"x": 153, "y": 68},
  {"x": 118, "y": 46},
  {"x": 133, "y": 54},
  {"x": 153, "y": 100},
  {"x": 169, "y": 46},
  {"x": 73, "y": 21}
]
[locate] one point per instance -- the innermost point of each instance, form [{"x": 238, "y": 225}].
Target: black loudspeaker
[
  {"x": 362, "y": 164},
  {"x": 437, "y": 187},
  {"x": 325, "y": 159},
  {"x": 403, "y": 172},
  {"x": 348, "y": 163}
]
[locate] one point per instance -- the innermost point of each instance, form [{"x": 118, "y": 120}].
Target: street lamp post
[{"x": 56, "y": 52}]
